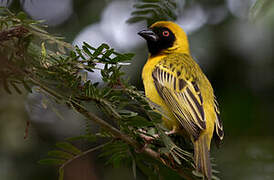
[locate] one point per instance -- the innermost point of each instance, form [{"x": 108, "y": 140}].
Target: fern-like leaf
[{"x": 154, "y": 10}]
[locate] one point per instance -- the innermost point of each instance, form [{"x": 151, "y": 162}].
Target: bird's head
[{"x": 164, "y": 37}]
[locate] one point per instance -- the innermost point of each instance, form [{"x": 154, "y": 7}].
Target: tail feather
[{"x": 202, "y": 157}]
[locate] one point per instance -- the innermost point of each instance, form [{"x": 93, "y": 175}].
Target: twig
[
  {"x": 116, "y": 133},
  {"x": 85, "y": 153}
]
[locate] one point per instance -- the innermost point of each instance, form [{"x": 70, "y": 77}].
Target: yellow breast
[{"x": 152, "y": 94}]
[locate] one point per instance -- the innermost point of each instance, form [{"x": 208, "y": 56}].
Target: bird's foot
[
  {"x": 150, "y": 138},
  {"x": 173, "y": 131},
  {"x": 146, "y": 137}
]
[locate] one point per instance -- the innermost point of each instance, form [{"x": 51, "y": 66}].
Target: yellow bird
[{"x": 175, "y": 82}]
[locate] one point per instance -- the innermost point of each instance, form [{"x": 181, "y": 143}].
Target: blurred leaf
[
  {"x": 21, "y": 15},
  {"x": 156, "y": 117},
  {"x": 138, "y": 122},
  {"x": 127, "y": 114},
  {"x": 51, "y": 161},
  {"x": 86, "y": 50},
  {"x": 152, "y": 11},
  {"x": 68, "y": 147},
  {"x": 60, "y": 154},
  {"x": 100, "y": 49},
  {"x": 117, "y": 153}
]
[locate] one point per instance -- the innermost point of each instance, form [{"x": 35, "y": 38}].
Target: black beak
[{"x": 149, "y": 35}]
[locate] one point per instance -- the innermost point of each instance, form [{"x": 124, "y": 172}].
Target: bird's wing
[
  {"x": 218, "y": 123},
  {"x": 182, "y": 96}
]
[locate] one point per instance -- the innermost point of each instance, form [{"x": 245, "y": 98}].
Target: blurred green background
[{"x": 234, "y": 50}]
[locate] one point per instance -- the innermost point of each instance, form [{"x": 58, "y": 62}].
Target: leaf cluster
[{"x": 155, "y": 10}]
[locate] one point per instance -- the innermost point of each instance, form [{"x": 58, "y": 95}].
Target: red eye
[{"x": 165, "y": 33}]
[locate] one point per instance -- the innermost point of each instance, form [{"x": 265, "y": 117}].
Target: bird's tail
[{"x": 201, "y": 157}]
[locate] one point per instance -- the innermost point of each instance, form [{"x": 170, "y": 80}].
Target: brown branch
[{"x": 116, "y": 133}]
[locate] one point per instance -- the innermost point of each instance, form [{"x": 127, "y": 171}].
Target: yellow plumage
[{"x": 175, "y": 82}]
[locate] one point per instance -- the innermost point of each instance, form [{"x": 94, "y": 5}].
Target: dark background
[{"x": 234, "y": 50}]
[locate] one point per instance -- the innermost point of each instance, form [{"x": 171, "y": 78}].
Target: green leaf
[
  {"x": 100, "y": 49},
  {"x": 68, "y": 147},
  {"x": 108, "y": 53},
  {"x": 60, "y": 154},
  {"x": 156, "y": 117},
  {"x": 139, "y": 122},
  {"x": 79, "y": 52},
  {"x": 88, "y": 46},
  {"x": 154, "y": 10},
  {"x": 51, "y": 161},
  {"x": 21, "y": 15},
  {"x": 122, "y": 57},
  {"x": 127, "y": 113},
  {"x": 86, "y": 50},
  {"x": 144, "y": 12}
]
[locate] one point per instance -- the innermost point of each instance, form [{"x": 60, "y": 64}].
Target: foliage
[
  {"x": 28, "y": 59},
  {"x": 155, "y": 10}
]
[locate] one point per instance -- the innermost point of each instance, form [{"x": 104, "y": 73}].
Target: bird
[{"x": 174, "y": 81}]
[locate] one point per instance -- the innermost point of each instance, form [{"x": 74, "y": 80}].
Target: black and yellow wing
[
  {"x": 182, "y": 94},
  {"x": 219, "y": 130}
]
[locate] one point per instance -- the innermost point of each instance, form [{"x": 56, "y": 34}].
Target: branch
[
  {"x": 115, "y": 132},
  {"x": 85, "y": 153}
]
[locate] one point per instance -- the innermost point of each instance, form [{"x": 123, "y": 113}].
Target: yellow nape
[{"x": 181, "y": 43}]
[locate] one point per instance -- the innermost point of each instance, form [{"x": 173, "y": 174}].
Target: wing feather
[
  {"x": 218, "y": 123},
  {"x": 183, "y": 98}
]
